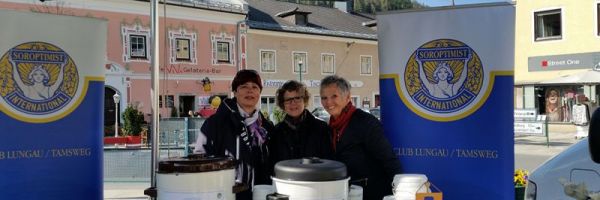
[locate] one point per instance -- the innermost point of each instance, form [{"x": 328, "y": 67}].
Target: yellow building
[{"x": 556, "y": 57}]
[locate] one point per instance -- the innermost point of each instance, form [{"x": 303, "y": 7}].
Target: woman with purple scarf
[{"x": 239, "y": 130}]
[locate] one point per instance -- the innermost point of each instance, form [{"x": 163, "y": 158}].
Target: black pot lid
[
  {"x": 310, "y": 169},
  {"x": 195, "y": 163}
]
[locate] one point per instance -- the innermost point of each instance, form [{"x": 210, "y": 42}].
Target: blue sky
[{"x": 436, "y": 3}]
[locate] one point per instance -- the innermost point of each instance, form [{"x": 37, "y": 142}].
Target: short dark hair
[
  {"x": 340, "y": 82},
  {"x": 246, "y": 75},
  {"x": 292, "y": 86}
]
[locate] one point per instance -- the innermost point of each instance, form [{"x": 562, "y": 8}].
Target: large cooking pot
[
  {"x": 195, "y": 177},
  {"x": 311, "y": 179}
]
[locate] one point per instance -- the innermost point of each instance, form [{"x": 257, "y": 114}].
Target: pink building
[{"x": 199, "y": 43}]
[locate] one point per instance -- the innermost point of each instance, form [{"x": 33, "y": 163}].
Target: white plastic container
[
  {"x": 406, "y": 186},
  {"x": 260, "y": 192},
  {"x": 356, "y": 193}
]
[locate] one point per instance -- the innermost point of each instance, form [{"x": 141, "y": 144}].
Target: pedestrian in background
[
  {"x": 300, "y": 134},
  {"x": 239, "y": 130},
  {"x": 358, "y": 140}
]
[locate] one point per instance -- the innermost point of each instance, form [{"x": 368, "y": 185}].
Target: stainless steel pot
[{"x": 311, "y": 179}]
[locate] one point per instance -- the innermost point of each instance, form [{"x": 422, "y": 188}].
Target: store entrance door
[{"x": 186, "y": 103}]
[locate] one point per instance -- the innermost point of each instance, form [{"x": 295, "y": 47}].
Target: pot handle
[
  {"x": 239, "y": 187},
  {"x": 360, "y": 182}
]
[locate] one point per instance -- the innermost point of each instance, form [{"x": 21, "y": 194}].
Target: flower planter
[{"x": 519, "y": 192}]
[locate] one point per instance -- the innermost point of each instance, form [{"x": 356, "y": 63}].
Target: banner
[
  {"x": 51, "y": 101},
  {"x": 447, "y": 96}
]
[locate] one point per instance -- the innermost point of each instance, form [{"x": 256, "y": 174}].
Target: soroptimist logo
[
  {"x": 37, "y": 81},
  {"x": 443, "y": 77}
]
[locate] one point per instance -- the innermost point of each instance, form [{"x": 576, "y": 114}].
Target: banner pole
[{"x": 154, "y": 91}]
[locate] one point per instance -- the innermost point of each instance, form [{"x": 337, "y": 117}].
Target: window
[
  {"x": 183, "y": 46},
  {"x": 138, "y": 46},
  {"x": 135, "y": 39},
  {"x": 160, "y": 101},
  {"x": 548, "y": 25},
  {"x": 327, "y": 63},
  {"x": 170, "y": 101},
  {"x": 267, "y": 61},
  {"x": 267, "y": 104},
  {"x": 366, "y": 65},
  {"x": 317, "y": 101},
  {"x": 301, "y": 19},
  {"x": 598, "y": 19},
  {"x": 299, "y": 59},
  {"x": 223, "y": 51},
  {"x": 355, "y": 101},
  {"x": 183, "y": 49}
]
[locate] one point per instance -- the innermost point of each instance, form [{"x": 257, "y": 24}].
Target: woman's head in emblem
[
  {"x": 443, "y": 72},
  {"x": 39, "y": 75}
]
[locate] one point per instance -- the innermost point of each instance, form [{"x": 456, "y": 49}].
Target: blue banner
[
  {"x": 51, "y": 102},
  {"x": 447, "y": 96}
]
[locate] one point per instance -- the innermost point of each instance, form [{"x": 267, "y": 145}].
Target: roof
[
  {"x": 589, "y": 76},
  {"x": 230, "y": 6},
  {"x": 322, "y": 20}
]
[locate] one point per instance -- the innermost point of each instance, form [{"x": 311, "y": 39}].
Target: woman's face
[
  {"x": 442, "y": 74},
  {"x": 553, "y": 96},
  {"x": 38, "y": 76},
  {"x": 247, "y": 95},
  {"x": 293, "y": 103},
  {"x": 333, "y": 100}
]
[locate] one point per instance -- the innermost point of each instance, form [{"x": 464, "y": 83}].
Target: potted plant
[
  {"x": 133, "y": 120},
  {"x": 520, "y": 181}
]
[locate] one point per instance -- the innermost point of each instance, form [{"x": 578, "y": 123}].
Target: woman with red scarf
[{"x": 358, "y": 140}]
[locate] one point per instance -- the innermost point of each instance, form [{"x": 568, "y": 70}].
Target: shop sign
[
  {"x": 565, "y": 61},
  {"x": 276, "y": 83},
  {"x": 178, "y": 69}
]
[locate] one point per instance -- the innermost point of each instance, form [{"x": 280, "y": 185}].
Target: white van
[{"x": 572, "y": 174}]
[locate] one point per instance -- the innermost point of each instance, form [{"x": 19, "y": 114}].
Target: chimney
[{"x": 344, "y": 5}]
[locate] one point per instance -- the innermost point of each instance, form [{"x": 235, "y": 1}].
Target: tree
[{"x": 133, "y": 119}]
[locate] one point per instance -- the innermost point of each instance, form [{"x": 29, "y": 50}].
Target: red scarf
[{"x": 339, "y": 123}]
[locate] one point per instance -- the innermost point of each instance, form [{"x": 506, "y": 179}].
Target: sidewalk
[
  {"x": 125, "y": 190},
  {"x": 560, "y": 137},
  {"x": 533, "y": 151}
]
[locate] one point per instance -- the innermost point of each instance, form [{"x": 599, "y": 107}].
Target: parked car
[
  {"x": 572, "y": 174},
  {"x": 321, "y": 114},
  {"x": 567, "y": 175},
  {"x": 375, "y": 112}
]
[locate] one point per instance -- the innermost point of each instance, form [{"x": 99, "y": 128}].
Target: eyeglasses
[{"x": 296, "y": 99}]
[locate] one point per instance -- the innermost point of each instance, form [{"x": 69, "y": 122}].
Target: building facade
[
  {"x": 557, "y": 56},
  {"x": 288, "y": 41},
  {"x": 198, "y": 42}
]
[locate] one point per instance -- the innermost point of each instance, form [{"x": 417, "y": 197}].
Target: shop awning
[{"x": 589, "y": 77}]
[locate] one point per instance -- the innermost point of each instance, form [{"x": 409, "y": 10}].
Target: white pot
[
  {"x": 312, "y": 190},
  {"x": 195, "y": 177}
]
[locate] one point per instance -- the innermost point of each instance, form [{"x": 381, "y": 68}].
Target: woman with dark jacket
[
  {"x": 300, "y": 134},
  {"x": 358, "y": 141},
  {"x": 239, "y": 130}
]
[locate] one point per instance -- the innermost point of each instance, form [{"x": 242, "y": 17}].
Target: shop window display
[{"x": 558, "y": 102}]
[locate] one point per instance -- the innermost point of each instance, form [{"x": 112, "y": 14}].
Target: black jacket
[
  {"x": 311, "y": 138},
  {"x": 368, "y": 155},
  {"x": 222, "y": 131}
]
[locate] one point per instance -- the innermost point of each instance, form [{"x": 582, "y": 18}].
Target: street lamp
[
  {"x": 300, "y": 69},
  {"x": 117, "y": 98}
]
